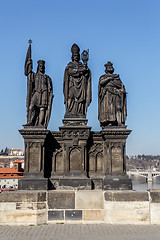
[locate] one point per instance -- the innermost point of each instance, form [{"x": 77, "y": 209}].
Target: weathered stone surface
[
  {"x": 35, "y": 176},
  {"x": 72, "y": 184},
  {"x": 56, "y": 215},
  {"x": 117, "y": 183},
  {"x": 42, "y": 196},
  {"x": 112, "y": 207},
  {"x": 126, "y": 196},
  {"x": 22, "y": 196},
  {"x": 26, "y": 206},
  {"x": 93, "y": 215},
  {"x": 1, "y": 217},
  {"x": 20, "y": 216},
  {"x": 33, "y": 183},
  {"x": 154, "y": 213},
  {"x": 73, "y": 214},
  {"x": 30, "y": 206},
  {"x": 61, "y": 200},
  {"x": 41, "y": 206},
  {"x": 89, "y": 199},
  {"x": 155, "y": 196},
  {"x": 102, "y": 155},
  {"x": 73, "y": 158},
  {"x": 126, "y": 212},
  {"x": 41, "y": 217},
  {"x": 97, "y": 183},
  {"x": 7, "y": 206}
]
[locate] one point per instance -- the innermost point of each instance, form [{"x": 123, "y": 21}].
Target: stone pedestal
[
  {"x": 34, "y": 161},
  {"x": 115, "y": 158},
  {"x": 117, "y": 183},
  {"x": 70, "y": 165}
]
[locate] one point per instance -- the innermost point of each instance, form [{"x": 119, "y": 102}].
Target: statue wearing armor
[{"x": 39, "y": 93}]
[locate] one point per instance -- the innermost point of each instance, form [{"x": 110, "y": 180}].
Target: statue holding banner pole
[{"x": 39, "y": 93}]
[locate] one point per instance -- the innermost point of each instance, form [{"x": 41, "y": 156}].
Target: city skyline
[{"x": 125, "y": 33}]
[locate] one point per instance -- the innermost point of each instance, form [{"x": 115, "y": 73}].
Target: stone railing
[{"x": 110, "y": 207}]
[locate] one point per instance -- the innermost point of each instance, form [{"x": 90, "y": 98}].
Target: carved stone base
[
  {"x": 97, "y": 183},
  {"x": 70, "y": 161},
  {"x": 71, "y": 184},
  {"x": 115, "y": 149},
  {"x": 75, "y": 121},
  {"x": 34, "y": 160},
  {"x": 33, "y": 184},
  {"x": 117, "y": 183}
]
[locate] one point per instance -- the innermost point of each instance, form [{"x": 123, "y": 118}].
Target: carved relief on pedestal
[
  {"x": 57, "y": 160},
  {"x": 75, "y": 159},
  {"x": 96, "y": 158},
  {"x": 34, "y": 154},
  {"x": 117, "y": 157},
  {"x": 73, "y": 122},
  {"x": 75, "y": 133}
]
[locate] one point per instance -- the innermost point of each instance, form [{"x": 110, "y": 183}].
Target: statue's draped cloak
[
  {"x": 111, "y": 98},
  {"x": 76, "y": 89}
]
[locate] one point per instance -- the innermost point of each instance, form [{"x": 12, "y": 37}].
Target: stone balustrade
[{"x": 96, "y": 206}]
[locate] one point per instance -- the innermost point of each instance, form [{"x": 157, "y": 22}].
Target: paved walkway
[{"x": 81, "y": 232}]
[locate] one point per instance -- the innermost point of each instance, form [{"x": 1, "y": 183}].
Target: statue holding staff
[
  {"x": 77, "y": 84},
  {"x": 39, "y": 93}
]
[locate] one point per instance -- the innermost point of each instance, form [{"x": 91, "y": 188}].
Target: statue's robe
[
  {"x": 76, "y": 89},
  {"x": 111, "y": 99}
]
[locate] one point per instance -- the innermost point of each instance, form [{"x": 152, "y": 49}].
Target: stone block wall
[
  {"x": 86, "y": 206},
  {"x": 75, "y": 206},
  {"x": 129, "y": 207},
  {"x": 23, "y": 208}
]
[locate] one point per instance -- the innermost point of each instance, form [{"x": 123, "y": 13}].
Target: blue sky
[{"x": 125, "y": 32}]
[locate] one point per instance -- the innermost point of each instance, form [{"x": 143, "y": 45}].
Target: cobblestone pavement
[{"x": 80, "y": 232}]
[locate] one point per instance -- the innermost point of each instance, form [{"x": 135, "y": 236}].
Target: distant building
[
  {"x": 16, "y": 152},
  {"x": 4, "y": 165},
  {"x": 11, "y": 164},
  {"x": 17, "y": 164},
  {"x": 9, "y": 178}
]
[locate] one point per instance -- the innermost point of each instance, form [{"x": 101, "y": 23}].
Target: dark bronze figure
[
  {"x": 112, "y": 109},
  {"x": 77, "y": 85},
  {"x": 39, "y": 93}
]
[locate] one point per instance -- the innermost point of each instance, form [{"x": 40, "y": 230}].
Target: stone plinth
[
  {"x": 70, "y": 164},
  {"x": 115, "y": 158},
  {"x": 34, "y": 161},
  {"x": 71, "y": 183},
  {"x": 75, "y": 158},
  {"x": 117, "y": 183}
]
